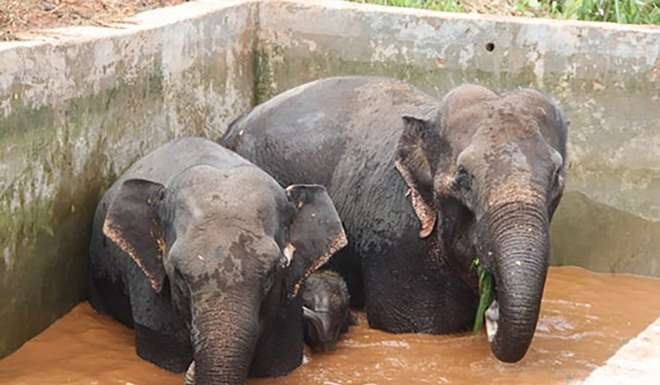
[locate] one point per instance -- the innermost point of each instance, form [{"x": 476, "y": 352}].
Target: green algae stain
[
  {"x": 59, "y": 161},
  {"x": 264, "y": 77}
]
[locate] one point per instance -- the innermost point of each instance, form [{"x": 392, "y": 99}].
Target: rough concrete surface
[
  {"x": 635, "y": 363},
  {"x": 78, "y": 105},
  {"x": 77, "y": 108}
]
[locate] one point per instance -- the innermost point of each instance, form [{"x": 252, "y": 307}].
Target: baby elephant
[
  {"x": 204, "y": 254},
  {"x": 326, "y": 310}
]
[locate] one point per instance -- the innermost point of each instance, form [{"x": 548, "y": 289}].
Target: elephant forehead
[
  {"x": 510, "y": 159},
  {"x": 241, "y": 193},
  {"x": 234, "y": 258},
  {"x": 510, "y": 143},
  {"x": 321, "y": 301},
  {"x": 466, "y": 96},
  {"x": 325, "y": 290}
]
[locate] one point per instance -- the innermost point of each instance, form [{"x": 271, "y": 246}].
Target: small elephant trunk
[
  {"x": 224, "y": 337},
  {"x": 521, "y": 247}
]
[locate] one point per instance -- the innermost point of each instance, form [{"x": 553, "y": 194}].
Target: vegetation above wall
[{"x": 618, "y": 11}]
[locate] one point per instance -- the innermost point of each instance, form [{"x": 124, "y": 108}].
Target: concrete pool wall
[
  {"x": 78, "y": 105},
  {"x": 76, "y": 109}
]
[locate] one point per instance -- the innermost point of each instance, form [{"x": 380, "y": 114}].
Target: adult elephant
[
  {"x": 423, "y": 187},
  {"x": 204, "y": 254}
]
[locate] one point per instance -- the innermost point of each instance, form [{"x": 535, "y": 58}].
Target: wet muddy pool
[{"x": 585, "y": 318}]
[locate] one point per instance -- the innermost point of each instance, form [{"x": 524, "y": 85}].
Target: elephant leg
[
  {"x": 108, "y": 296},
  {"x": 406, "y": 297},
  {"x": 280, "y": 348},
  {"x": 95, "y": 297},
  {"x": 160, "y": 336}
]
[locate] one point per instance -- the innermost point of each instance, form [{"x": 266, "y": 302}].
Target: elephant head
[
  {"x": 486, "y": 174},
  {"x": 326, "y": 310},
  {"x": 230, "y": 246}
]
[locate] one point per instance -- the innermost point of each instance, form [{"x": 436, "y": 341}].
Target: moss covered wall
[{"x": 75, "y": 111}]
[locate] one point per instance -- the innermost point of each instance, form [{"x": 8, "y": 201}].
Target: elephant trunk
[
  {"x": 521, "y": 248},
  {"x": 224, "y": 337}
]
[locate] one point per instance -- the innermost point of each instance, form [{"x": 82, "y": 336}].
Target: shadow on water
[{"x": 585, "y": 318}]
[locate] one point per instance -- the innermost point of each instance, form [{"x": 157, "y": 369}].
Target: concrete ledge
[
  {"x": 78, "y": 105},
  {"x": 635, "y": 363}
]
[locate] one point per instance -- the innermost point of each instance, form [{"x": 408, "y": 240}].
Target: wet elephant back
[
  {"x": 307, "y": 132},
  {"x": 340, "y": 132}
]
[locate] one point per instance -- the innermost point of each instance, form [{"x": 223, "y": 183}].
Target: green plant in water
[{"x": 486, "y": 294}]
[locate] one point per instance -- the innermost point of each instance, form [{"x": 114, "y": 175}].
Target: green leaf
[{"x": 486, "y": 294}]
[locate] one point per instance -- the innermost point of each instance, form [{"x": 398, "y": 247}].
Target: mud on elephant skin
[
  {"x": 205, "y": 254},
  {"x": 423, "y": 187}
]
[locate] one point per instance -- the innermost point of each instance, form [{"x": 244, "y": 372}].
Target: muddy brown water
[{"x": 585, "y": 318}]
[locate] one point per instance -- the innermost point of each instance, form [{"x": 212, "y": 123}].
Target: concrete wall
[
  {"x": 606, "y": 77},
  {"x": 79, "y": 105}
]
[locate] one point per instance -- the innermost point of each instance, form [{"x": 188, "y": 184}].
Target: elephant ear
[
  {"x": 133, "y": 225},
  {"x": 315, "y": 233},
  {"x": 415, "y": 162}
]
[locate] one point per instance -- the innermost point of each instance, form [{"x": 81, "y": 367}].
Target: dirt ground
[
  {"x": 26, "y": 15},
  {"x": 495, "y": 7}
]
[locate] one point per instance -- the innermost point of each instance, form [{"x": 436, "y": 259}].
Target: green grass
[
  {"x": 617, "y": 11},
  {"x": 486, "y": 294}
]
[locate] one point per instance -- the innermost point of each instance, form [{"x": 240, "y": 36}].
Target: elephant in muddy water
[
  {"x": 326, "y": 313},
  {"x": 204, "y": 254},
  {"x": 326, "y": 310},
  {"x": 425, "y": 186}
]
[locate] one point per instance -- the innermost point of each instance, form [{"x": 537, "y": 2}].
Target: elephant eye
[
  {"x": 463, "y": 178},
  {"x": 556, "y": 177}
]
